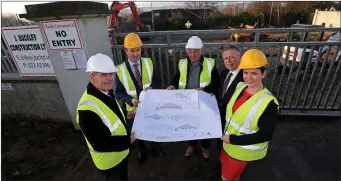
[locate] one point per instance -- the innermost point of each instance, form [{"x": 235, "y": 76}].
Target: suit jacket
[
  {"x": 121, "y": 92},
  {"x": 223, "y": 101}
]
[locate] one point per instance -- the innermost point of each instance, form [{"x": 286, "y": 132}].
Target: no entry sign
[{"x": 62, "y": 34}]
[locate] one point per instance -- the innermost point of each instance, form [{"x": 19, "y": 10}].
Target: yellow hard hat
[
  {"x": 253, "y": 59},
  {"x": 132, "y": 40}
]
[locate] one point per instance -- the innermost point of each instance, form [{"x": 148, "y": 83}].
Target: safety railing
[{"x": 306, "y": 80}]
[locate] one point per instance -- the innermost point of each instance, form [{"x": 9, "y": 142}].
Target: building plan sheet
[{"x": 176, "y": 115}]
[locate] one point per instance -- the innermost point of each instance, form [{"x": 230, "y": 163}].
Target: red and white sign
[
  {"x": 27, "y": 49},
  {"x": 62, "y": 34}
]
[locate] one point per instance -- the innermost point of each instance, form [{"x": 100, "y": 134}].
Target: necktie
[
  {"x": 137, "y": 74},
  {"x": 226, "y": 83}
]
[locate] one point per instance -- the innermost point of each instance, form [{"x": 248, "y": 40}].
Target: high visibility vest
[
  {"x": 125, "y": 78},
  {"x": 188, "y": 25},
  {"x": 104, "y": 160},
  {"x": 245, "y": 121},
  {"x": 205, "y": 75}
]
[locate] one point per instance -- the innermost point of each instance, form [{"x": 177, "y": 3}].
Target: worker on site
[
  {"x": 135, "y": 75},
  {"x": 196, "y": 72},
  {"x": 102, "y": 121},
  {"x": 251, "y": 117},
  {"x": 188, "y": 25}
]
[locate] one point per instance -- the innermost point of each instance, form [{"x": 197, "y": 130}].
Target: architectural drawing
[
  {"x": 182, "y": 117},
  {"x": 187, "y": 127},
  {"x": 171, "y": 116},
  {"x": 169, "y": 106},
  {"x": 177, "y": 100},
  {"x": 152, "y": 116}
]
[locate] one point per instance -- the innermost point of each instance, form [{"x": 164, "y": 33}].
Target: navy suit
[
  {"x": 121, "y": 94},
  {"x": 121, "y": 91}
]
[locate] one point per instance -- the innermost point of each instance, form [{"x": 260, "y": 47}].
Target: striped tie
[{"x": 137, "y": 74}]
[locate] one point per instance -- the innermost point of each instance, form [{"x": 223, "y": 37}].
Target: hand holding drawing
[
  {"x": 135, "y": 102},
  {"x": 145, "y": 89},
  {"x": 170, "y": 87},
  {"x": 130, "y": 115},
  {"x": 226, "y": 139},
  {"x": 132, "y": 138}
]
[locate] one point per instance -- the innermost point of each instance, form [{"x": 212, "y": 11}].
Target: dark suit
[
  {"x": 121, "y": 91},
  {"x": 126, "y": 98},
  {"x": 223, "y": 101}
]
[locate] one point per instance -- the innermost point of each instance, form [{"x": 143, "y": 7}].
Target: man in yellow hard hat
[
  {"x": 251, "y": 117},
  {"x": 135, "y": 75},
  {"x": 196, "y": 72},
  {"x": 102, "y": 121}
]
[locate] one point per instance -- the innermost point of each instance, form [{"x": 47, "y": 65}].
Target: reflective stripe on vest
[
  {"x": 106, "y": 121},
  {"x": 183, "y": 63},
  {"x": 126, "y": 79}
]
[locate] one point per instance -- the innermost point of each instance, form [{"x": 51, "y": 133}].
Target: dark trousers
[
  {"x": 205, "y": 143},
  {"x": 119, "y": 172},
  {"x": 140, "y": 145}
]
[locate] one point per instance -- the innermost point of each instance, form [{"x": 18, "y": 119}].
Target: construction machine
[
  {"x": 116, "y": 7},
  {"x": 303, "y": 56},
  {"x": 244, "y": 37}
]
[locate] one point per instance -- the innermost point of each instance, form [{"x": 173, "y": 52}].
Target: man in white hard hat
[
  {"x": 196, "y": 72},
  {"x": 102, "y": 121}
]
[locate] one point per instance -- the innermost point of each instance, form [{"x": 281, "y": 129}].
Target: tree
[
  {"x": 214, "y": 5},
  {"x": 259, "y": 7},
  {"x": 233, "y": 9},
  {"x": 8, "y": 20},
  {"x": 177, "y": 18}
]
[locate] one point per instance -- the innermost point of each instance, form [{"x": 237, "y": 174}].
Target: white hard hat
[
  {"x": 194, "y": 42},
  {"x": 100, "y": 63}
]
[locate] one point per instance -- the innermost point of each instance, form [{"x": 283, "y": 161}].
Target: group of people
[{"x": 248, "y": 110}]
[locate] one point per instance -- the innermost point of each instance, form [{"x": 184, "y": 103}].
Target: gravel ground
[{"x": 302, "y": 149}]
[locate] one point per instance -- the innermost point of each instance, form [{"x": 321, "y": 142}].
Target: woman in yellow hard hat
[{"x": 251, "y": 117}]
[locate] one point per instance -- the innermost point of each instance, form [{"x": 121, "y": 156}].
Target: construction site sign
[
  {"x": 28, "y": 51},
  {"x": 62, "y": 34}
]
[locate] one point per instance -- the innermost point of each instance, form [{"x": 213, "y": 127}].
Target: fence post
[{"x": 89, "y": 31}]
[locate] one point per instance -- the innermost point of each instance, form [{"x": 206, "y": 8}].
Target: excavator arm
[{"x": 116, "y": 7}]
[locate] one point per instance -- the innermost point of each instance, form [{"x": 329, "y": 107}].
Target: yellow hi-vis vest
[
  {"x": 104, "y": 160},
  {"x": 205, "y": 75},
  {"x": 245, "y": 121},
  {"x": 125, "y": 78}
]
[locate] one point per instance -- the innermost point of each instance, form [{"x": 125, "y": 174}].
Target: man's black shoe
[
  {"x": 217, "y": 166},
  {"x": 158, "y": 152},
  {"x": 141, "y": 158}
]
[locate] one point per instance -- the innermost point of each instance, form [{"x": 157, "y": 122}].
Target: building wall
[
  {"x": 35, "y": 97},
  {"x": 330, "y": 18}
]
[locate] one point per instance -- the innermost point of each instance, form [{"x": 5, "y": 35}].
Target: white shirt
[
  {"x": 133, "y": 68},
  {"x": 106, "y": 92},
  {"x": 234, "y": 75}
]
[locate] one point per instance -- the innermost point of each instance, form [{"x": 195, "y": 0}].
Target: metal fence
[
  {"x": 310, "y": 86},
  {"x": 7, "y": 63}
]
